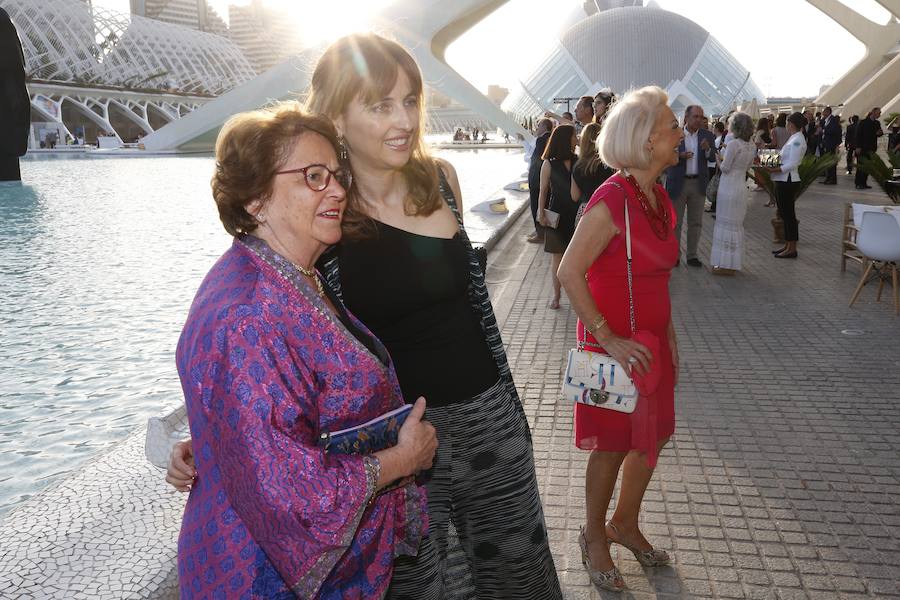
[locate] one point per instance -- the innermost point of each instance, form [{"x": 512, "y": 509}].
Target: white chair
[{"x": 879, "y": 243}]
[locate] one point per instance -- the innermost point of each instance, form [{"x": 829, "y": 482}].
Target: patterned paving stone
[{"x": 109, "y": 531}]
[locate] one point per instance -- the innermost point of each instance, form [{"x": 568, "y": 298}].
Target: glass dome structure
[{"x": 631, "y": 46}]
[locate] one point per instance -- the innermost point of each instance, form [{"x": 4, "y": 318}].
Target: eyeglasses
[{"x": 319, "y": 176}]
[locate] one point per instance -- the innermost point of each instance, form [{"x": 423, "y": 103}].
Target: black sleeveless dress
[
  {"x": 427, "y": 300},
  {"x": 560, "y": 201}
]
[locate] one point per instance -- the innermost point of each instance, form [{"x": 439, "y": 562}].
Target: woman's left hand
[{"x": 673, "y": 347}]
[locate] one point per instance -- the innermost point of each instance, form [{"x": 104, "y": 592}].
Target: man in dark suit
[
  {"x": 831, "y": 139},
  {"x": 686, "y": 181},
  {"x": 867, "y": 133},
  {"x": 542, "y": 134},
  {"x": 812, "y": 131},
  {"x": 15, "y": 105},
  {"x": 850, "y": 142}
]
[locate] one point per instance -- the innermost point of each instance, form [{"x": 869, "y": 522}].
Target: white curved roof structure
[
  {"x": 67, "y": 41},
  {"x": 632, "y": 46}
]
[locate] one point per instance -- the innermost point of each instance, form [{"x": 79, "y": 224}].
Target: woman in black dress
[
  {"x": 406, "y": 268},
  {"x": 555, "y": 199}
]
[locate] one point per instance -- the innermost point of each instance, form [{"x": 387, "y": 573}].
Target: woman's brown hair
[
  {"x": 251, "y": 147},
  {"x": 559, "y": 146},
  {"x": 366, "y": 66}
]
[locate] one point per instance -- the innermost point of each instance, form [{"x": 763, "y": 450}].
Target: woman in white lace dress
[{"x": 731, "y": 205}]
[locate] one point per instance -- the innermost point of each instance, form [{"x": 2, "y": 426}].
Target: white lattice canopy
[{"x": 67, "y": 41}]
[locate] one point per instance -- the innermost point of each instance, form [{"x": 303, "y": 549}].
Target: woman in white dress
[{"x": 731, "y": 206}]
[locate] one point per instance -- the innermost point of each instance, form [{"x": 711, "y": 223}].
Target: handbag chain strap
[{"x": 628, "y": 259}]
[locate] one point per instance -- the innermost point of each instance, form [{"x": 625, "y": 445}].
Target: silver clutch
[{"x": 162, "y": 434}]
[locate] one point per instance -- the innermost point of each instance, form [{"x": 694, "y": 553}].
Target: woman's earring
[
  {"x": 261, "y": 218},
  {"x": 342, "y": 147}
]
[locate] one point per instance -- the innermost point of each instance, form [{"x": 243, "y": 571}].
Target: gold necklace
[{"x": 314, "y": 275}]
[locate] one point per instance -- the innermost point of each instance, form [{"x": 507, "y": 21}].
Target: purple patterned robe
[{"x": 265, "y": 367}]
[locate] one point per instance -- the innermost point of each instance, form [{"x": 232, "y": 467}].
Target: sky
[{"x": 794, "y": 53}]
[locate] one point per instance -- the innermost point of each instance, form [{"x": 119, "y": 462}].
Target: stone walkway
[{"x": 783, "y": 478}]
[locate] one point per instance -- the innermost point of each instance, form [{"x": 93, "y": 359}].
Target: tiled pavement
[{"x": 783, "y": 478}]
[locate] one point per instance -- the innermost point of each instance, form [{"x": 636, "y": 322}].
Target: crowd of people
[
  {"x": 464, "y": 135},
  {"x": 351, "y": 290},
  {"x": 714, "y": 166}
]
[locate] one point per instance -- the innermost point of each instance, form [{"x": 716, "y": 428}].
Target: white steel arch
[{"x": 873, "y": 81}]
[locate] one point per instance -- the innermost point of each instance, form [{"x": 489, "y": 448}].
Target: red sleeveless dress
[{"x": 652, "y": 261}]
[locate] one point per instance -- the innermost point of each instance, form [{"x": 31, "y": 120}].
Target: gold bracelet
[{"x": 599, "y": 322}]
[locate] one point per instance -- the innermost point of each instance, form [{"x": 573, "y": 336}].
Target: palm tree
[{"x": 872, "y": 164}]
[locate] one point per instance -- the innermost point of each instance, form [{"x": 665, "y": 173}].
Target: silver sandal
[
  {"x": 648, "y": 558},
  {"x": 602, "y": 580}
]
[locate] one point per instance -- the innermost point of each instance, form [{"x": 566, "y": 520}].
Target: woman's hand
[
  {"x": 542, "y": 218},
  {"x": 628, "y": 352},
  {"x": 181, "y": 472},
  {"x": 417, "y": 440}
]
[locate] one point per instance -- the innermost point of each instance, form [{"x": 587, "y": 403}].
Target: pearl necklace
[{"x": 314, "y": 275}]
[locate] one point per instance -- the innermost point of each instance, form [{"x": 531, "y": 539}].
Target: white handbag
[
  {"x": 597, "y": 379},
  {"x": 163, "y": 433}
]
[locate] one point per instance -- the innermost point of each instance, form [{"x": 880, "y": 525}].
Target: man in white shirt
[{"x": 686, "y": 182}]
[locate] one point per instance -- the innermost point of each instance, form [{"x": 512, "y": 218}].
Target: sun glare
[{"x": 319, "y": 22}]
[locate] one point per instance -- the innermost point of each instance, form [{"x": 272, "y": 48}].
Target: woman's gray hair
[
  {"x": 741, "y": 126},
  {"x": 627, "y": 127}
]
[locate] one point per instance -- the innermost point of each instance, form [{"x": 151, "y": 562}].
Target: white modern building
[
  {"x": 623, "y": 45},
  {"x": 94, "y": 71}
]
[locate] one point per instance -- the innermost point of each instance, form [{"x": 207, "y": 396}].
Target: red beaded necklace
[{"x": 657, "y": 216}]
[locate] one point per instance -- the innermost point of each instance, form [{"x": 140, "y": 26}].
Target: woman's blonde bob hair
[
  {"x": 365, "y": 66},
  {"x": 623, "y": 141}
]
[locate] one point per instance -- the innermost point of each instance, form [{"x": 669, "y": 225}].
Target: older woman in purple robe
[{"x": 269, "y": 359}]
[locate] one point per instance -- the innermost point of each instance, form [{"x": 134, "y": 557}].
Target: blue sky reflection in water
[{"x": 99, "y": 261}]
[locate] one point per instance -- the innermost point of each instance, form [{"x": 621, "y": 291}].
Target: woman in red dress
[{"x": 640, "y": 137}]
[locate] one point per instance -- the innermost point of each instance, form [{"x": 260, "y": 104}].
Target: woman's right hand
[
  {"x": 624, "y": 349},
  {"x": 417, "y": 440},
  {"x": 181, "y": 472}
]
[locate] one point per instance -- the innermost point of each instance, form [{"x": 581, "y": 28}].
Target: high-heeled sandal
[
  {"x": 648, "y": 558},
  {"x": 602, "y": 580}
]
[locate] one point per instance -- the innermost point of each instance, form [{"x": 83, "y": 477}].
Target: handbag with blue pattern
[{"x": 370, "y": 437}]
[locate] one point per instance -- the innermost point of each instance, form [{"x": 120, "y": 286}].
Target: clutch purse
[
  {"x": 552, "y": 218},
  {"x": 162, "y": 434},
  {"x": 372, "y": 436},
  {"x": 598, "y": 379}
]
